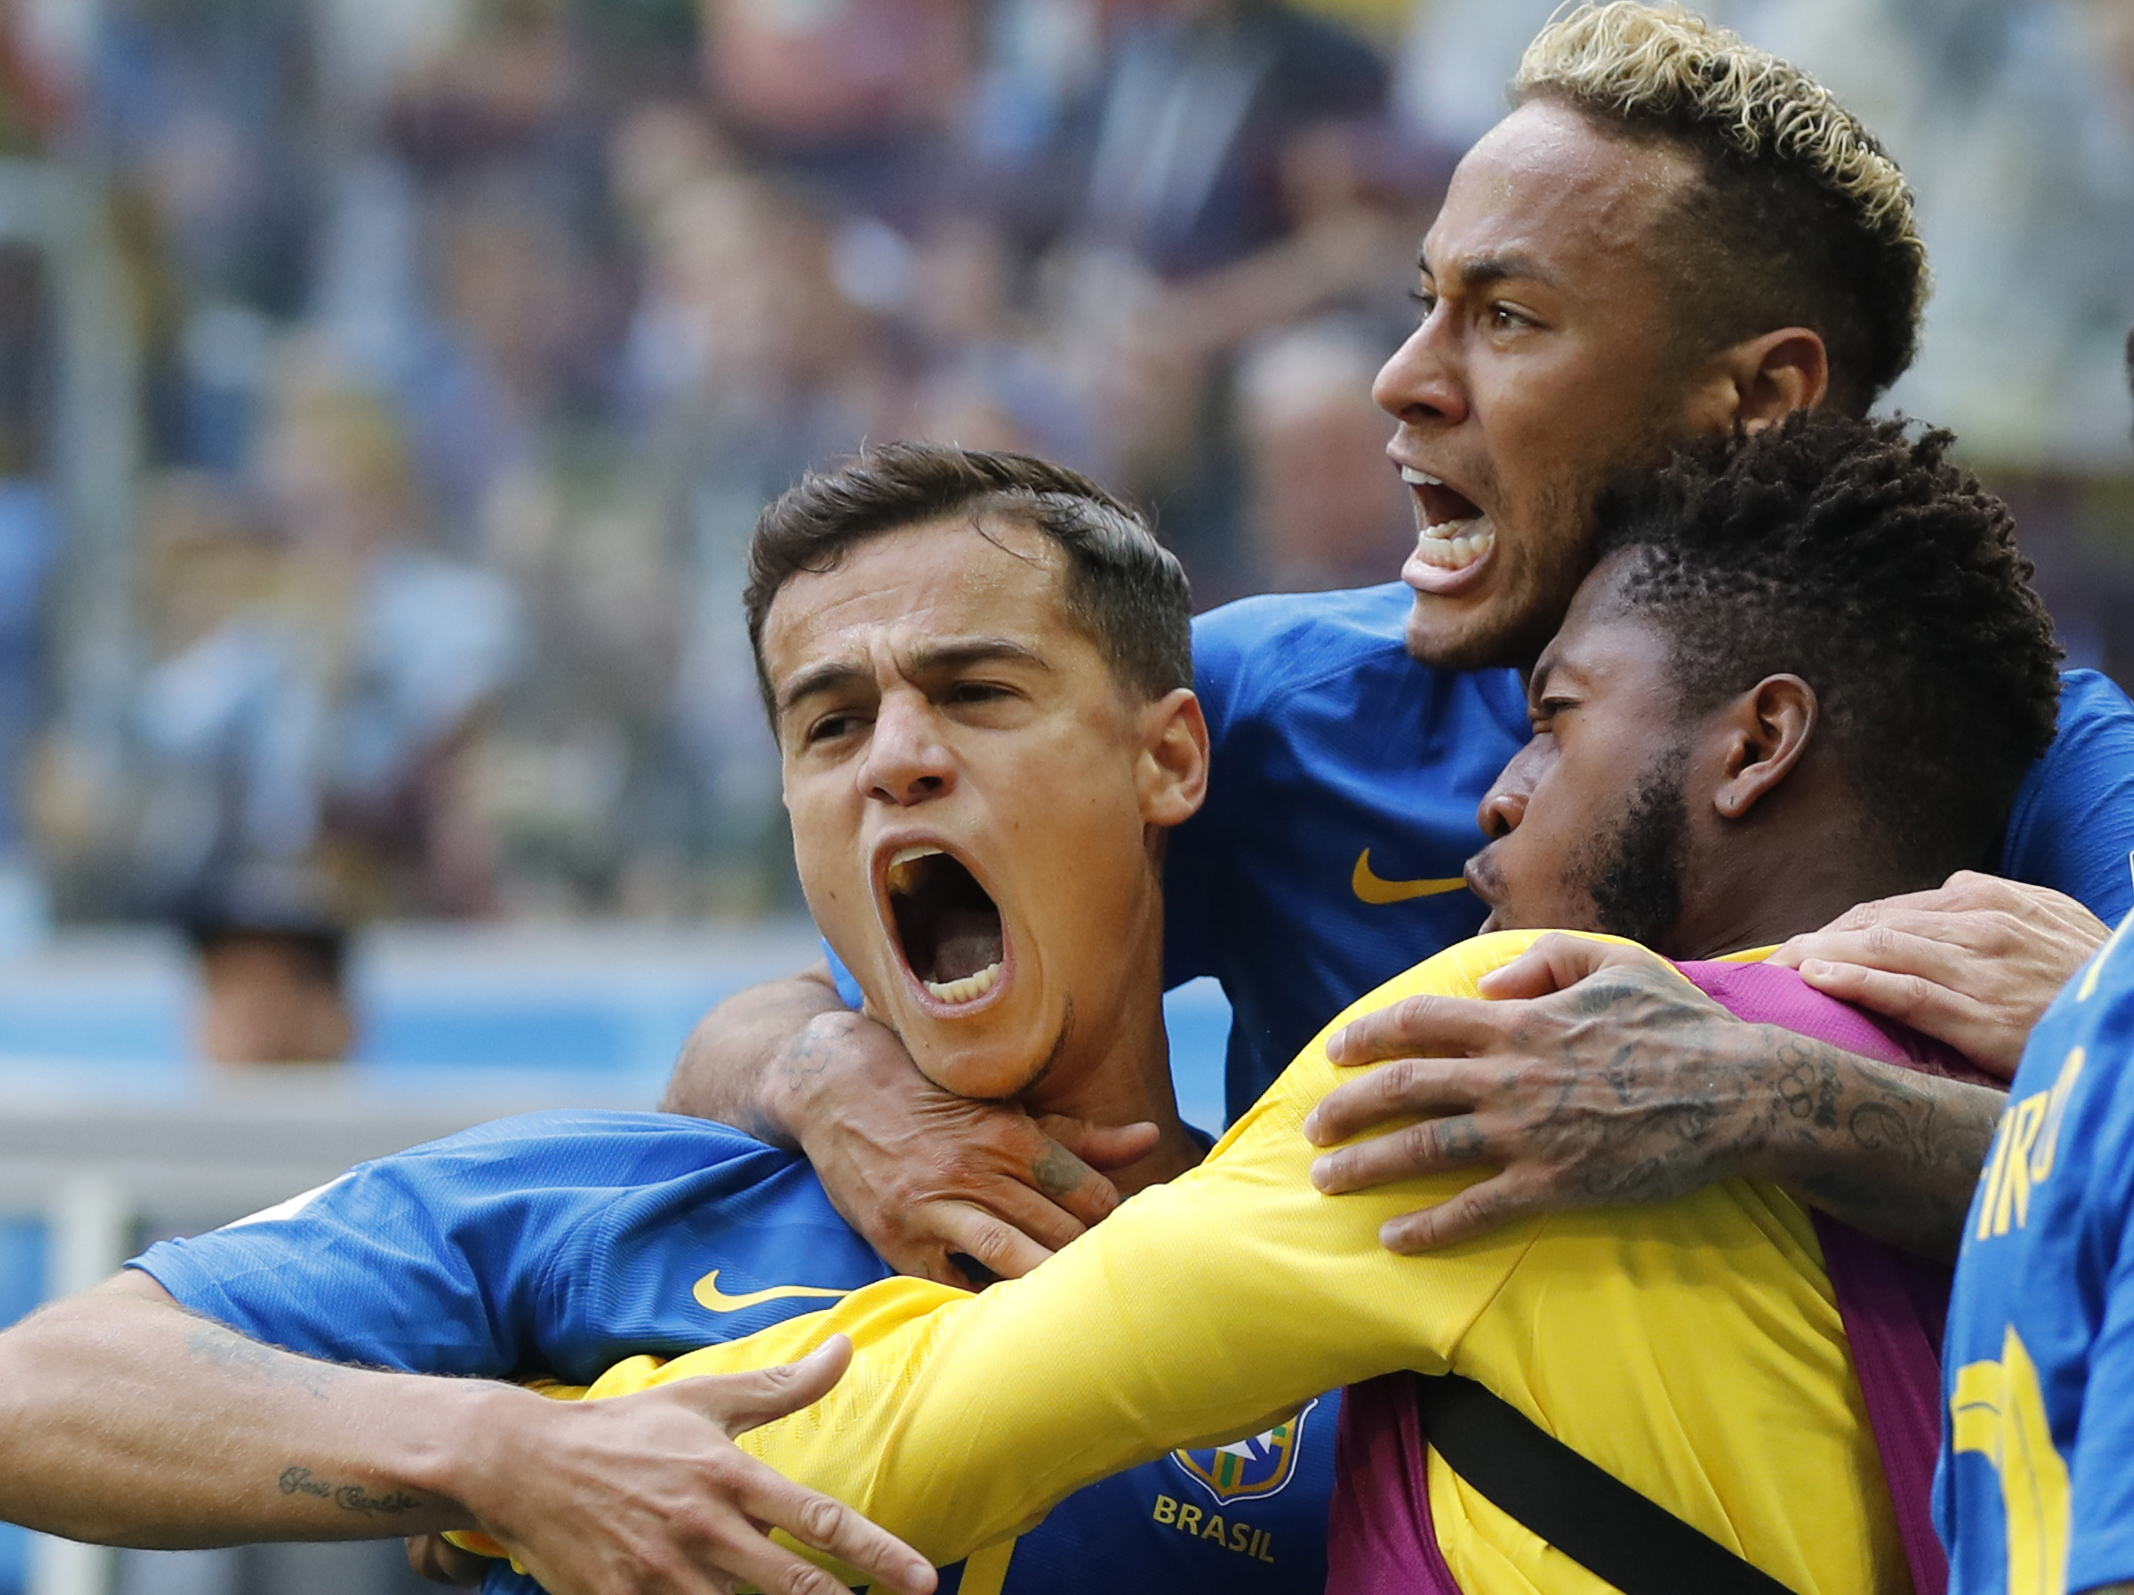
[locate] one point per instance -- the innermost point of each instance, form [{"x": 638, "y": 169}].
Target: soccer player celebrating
[
  {"x": 1806, "y": 669},
  {"x": 978, "y": 669},
  {"x": 1672, "y": 235}
]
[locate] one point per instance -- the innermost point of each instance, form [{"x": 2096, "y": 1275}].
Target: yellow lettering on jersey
[
  {"x": 1217, "y": 1530},
  {"x": 1998, "y": 1411},
  {"x": 2024, "y": 1150},
  {"x": 1189, "y": 1519},
  {"x": 2063, "y": 1087},
  {"x": 1243, "y": 1536},
  {"x": 2012, "y": 1200},
  {"x": 1166, "y": 1510}
]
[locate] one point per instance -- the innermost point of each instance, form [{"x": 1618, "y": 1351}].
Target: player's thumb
[
  {"x": 741, "y": 1401},
  {"x": 1552, "y": 963},
  {"x": 1103, "y": 1147}
]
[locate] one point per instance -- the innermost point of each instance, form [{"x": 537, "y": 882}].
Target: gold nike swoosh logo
[
  {"x": 709, "y": 1295},
  {"x": 1373, "y": 890}
]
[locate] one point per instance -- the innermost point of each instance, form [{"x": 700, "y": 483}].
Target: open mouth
[
  {"x": 948, "y": 929},
  {"x": 1456, "y": 534}
]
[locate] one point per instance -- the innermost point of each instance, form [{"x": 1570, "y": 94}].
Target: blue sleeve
[
  {"x": 848, "y": 986},
  {"x": 2073, "y": 824},
  {"x": 429, "y": 1261}
]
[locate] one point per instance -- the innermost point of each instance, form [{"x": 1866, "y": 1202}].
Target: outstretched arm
[
  {"x": 1598, "y": 1075},
  {"x": 127, "y": 1420},
  {"x": 926, "y": 1176}
]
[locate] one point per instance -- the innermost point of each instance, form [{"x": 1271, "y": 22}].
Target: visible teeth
[
  {"x": 1415, "y": 478},
  {"x": 902, "y": 877},
  {"x": 969, "y": 989},
  {"x": 1453, "y": 545}
]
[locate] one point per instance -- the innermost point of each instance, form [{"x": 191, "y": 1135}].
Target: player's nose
[
  {"x": 1501, "y": 812},
  {"x": 1421, "y": 384},
  {"x": 907, "y": 761}
]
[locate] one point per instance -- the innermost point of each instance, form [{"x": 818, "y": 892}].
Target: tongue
[
  {"x": 1445, "y": 505},
  {"x": 966, "y": 940}
]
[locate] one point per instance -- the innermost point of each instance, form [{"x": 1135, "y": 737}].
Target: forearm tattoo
[{"x": 348, "y": 1497}]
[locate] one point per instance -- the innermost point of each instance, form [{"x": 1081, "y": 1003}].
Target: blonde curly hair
[{"x": 1795, "y": 178}]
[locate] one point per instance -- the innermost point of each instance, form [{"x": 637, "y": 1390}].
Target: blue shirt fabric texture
[
  {"x": 2035, "y": 1491},
  {"x": 559, "y": 1243}
]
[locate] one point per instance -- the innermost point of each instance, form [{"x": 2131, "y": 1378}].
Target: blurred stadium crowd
[{"x": 473, "y": 334}]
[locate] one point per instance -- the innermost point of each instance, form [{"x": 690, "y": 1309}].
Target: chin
[
  {"x": 1449, "y": 635},
  {"x": 993, "y": 1062}
]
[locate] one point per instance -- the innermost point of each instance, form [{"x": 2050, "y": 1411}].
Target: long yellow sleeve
[{"x": 1693, "y": 1348}]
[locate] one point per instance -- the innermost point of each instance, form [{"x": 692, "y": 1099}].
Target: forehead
[
  {"x": 1546, "y": 183},
  {"x": 1605, "y": 643},
  {"x": 948, "y": 578}
]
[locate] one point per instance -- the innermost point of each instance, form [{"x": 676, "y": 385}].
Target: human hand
[
  {"x": 648, "y": 1495},
  {"x": 1631, "y": 1086},
  {"x": 1973, "y": 963},
  {"x": 927, "y": 1175}
]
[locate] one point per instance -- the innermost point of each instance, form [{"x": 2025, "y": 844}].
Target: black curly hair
[{"x": 1853, "y": 554}]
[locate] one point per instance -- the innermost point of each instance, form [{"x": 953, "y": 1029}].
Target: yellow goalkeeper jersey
[{"x": 1693, "y": 1349}]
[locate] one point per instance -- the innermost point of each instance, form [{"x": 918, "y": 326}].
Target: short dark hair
[
  {"x": 1123, "y": 587},
  {"x": 1854, "y": 555},
  {"x": 1801, "y": 218}
]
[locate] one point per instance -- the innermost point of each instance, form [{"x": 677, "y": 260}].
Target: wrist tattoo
[{"x": 348, "y": 1497}]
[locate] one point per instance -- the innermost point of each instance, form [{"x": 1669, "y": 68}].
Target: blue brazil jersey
[
  {"x": 1341, "y": 810},
  {"x": 2036, "y": 1486},
  {"x": 560, "y": 1243}
]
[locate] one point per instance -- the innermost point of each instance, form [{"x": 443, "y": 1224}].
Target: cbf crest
[{"x": 1248, "y": 1470}]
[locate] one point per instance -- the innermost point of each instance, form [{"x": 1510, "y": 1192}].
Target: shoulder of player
[
  {"x": 1259, "y": 651},
  {"x": 585, "y": 1146}
]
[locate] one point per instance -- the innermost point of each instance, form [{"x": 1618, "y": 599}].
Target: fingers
[
  {"x": 742, "y": 1401},
  {"x": 823, "y": 1524},
  {"x": 999, "y": 1246},
  {"x": 1885, "y": 947},
  {"x": 1102, "y": 1146},
  {"x": 1557, "y": 961},
  {"x": 1475, "y": 1211},
  {"x": 1991, "y": 1039},
  {"x": 1407, "y": 1085},
  {"x": 1429, "y": 1147},
  {"x": 1429, "y": 1027}
]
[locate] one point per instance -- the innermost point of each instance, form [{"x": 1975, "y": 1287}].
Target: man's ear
[
  {"x": 1767, "y": 729},
  {"x": 1171, "y": 777},
  {"x": 1761, "y": 380}
]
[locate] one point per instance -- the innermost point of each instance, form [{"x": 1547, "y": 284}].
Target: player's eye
[
  {"x": 977, "y": 692},
  {"x": 1425, "y": 302},
  {"x": 829, "y": 728},
  {"x": 1504, "y": 317}
]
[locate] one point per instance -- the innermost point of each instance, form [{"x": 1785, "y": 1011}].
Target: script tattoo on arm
[
  {"x": 348, "y": 1497},
  {"x": 1886, "y": 1150}
]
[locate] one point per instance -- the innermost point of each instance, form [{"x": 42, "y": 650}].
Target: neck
[
  {"x": 1777, "y": 885},
  {"x": 1115, "y": 1065}
]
